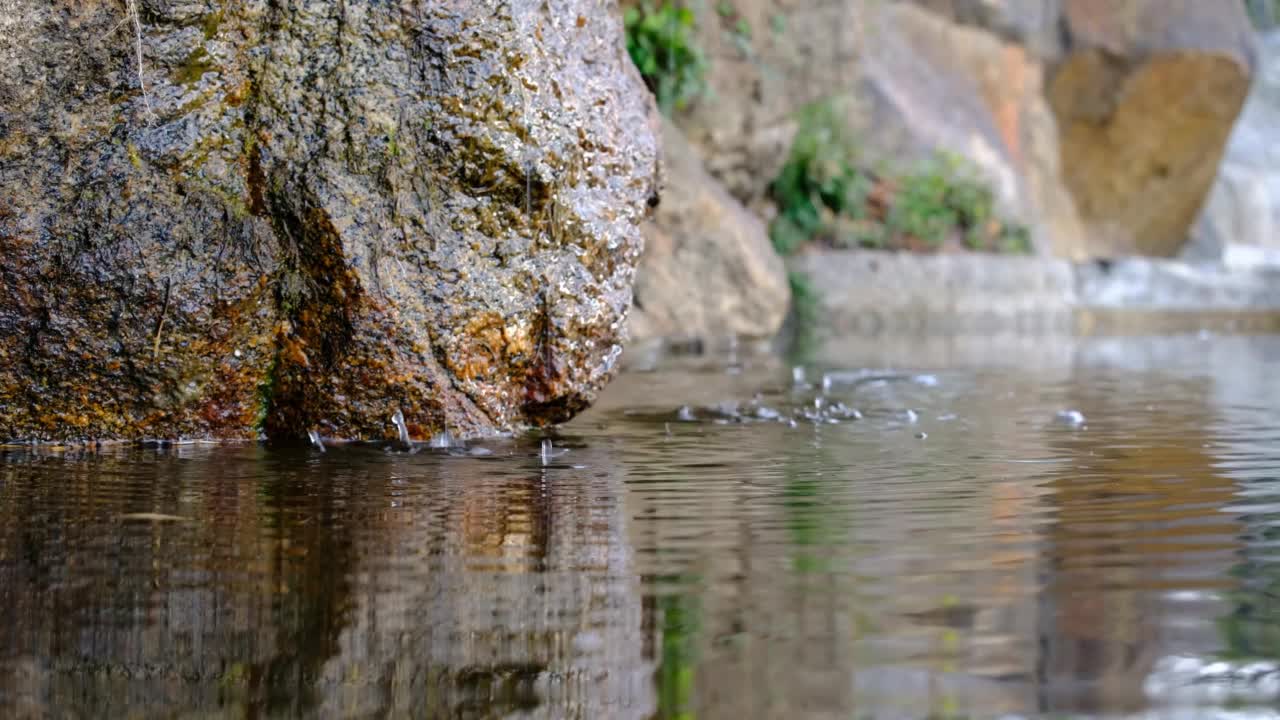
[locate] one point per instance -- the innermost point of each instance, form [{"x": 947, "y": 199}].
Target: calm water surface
[{"x": 719, "y": 538}]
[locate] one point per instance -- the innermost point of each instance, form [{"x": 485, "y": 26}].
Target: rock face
[
  {"x": 709, "y": 269},
  {"x": 1241, "y": 219},
  {"x": 1145, "y": 97},
  {"x": 959, "y": 89},
  {"x": 757, "y": 81},
  {"x": 1033, "y": 24},
  {"x": 1098, "y": 123},
  {"x": 299, "y": 216},
  {"x": 910, "y": 80}
]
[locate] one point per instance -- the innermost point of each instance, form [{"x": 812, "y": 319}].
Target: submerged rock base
[{"x": 220, "y": 219}]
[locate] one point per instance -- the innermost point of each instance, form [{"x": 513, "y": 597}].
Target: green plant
[
  {"x": 741, "y": 38},
  {"x": 805, "y": 300},
  {"x": 660, "y": 40},
  {"x": 825, "y": 194},
  {"x": 806, "y": 305},
  {"x": 947, "y": 198},
  {"x": 819, "y": 181},
  {"x": 944, "y": 200},
  {"x": 922, "y": 208}
]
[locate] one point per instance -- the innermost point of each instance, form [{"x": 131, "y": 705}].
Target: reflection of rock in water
[
  {"x": 352, "y": 586},
  {"x": 1140, "y": 547},
  {"x": 819, "y": 574},
  {"x": 532, "y": 607}
]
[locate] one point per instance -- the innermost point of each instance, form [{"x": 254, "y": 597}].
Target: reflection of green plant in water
[
  {"x": 825, "y": 195},
  {"x": 681, "y": 625},
  {"x": 1252, "y": 630},
  {"x": 806, "y": 515},
  {"x": 661, "y": 43}
]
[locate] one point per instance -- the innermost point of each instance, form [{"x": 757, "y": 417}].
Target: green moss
[
  {"x": 134, "y": 158},
  {"x": 825, "y": 194},
  {"x": 193, "y": 67},
  {"x": 661, "y": 42},
  {"x": 266, "y": 394},
  {"x": 393, "y": 146},
  {"x": 209, "y": 24}
]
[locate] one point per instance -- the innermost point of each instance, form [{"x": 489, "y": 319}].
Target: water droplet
[
  {"x": 766, "y": 413},
  {"x": 401, "y": 427},
  {"x": 1074, "y": 418}
]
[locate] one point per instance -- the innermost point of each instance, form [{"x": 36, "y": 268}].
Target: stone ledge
[{"x": 870, "y": 291}]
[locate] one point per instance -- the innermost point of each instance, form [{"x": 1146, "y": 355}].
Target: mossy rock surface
[{"x": 308, "y": 216}]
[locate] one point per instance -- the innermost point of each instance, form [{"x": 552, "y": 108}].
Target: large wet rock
[
  {"x": 299, "y": 216},
  {"x": 708, "y": 269},
  {"x": 1240, "y": 222},
  {"x": 1144, "y": 92},
  {"x": 1145, "y": 97}
]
